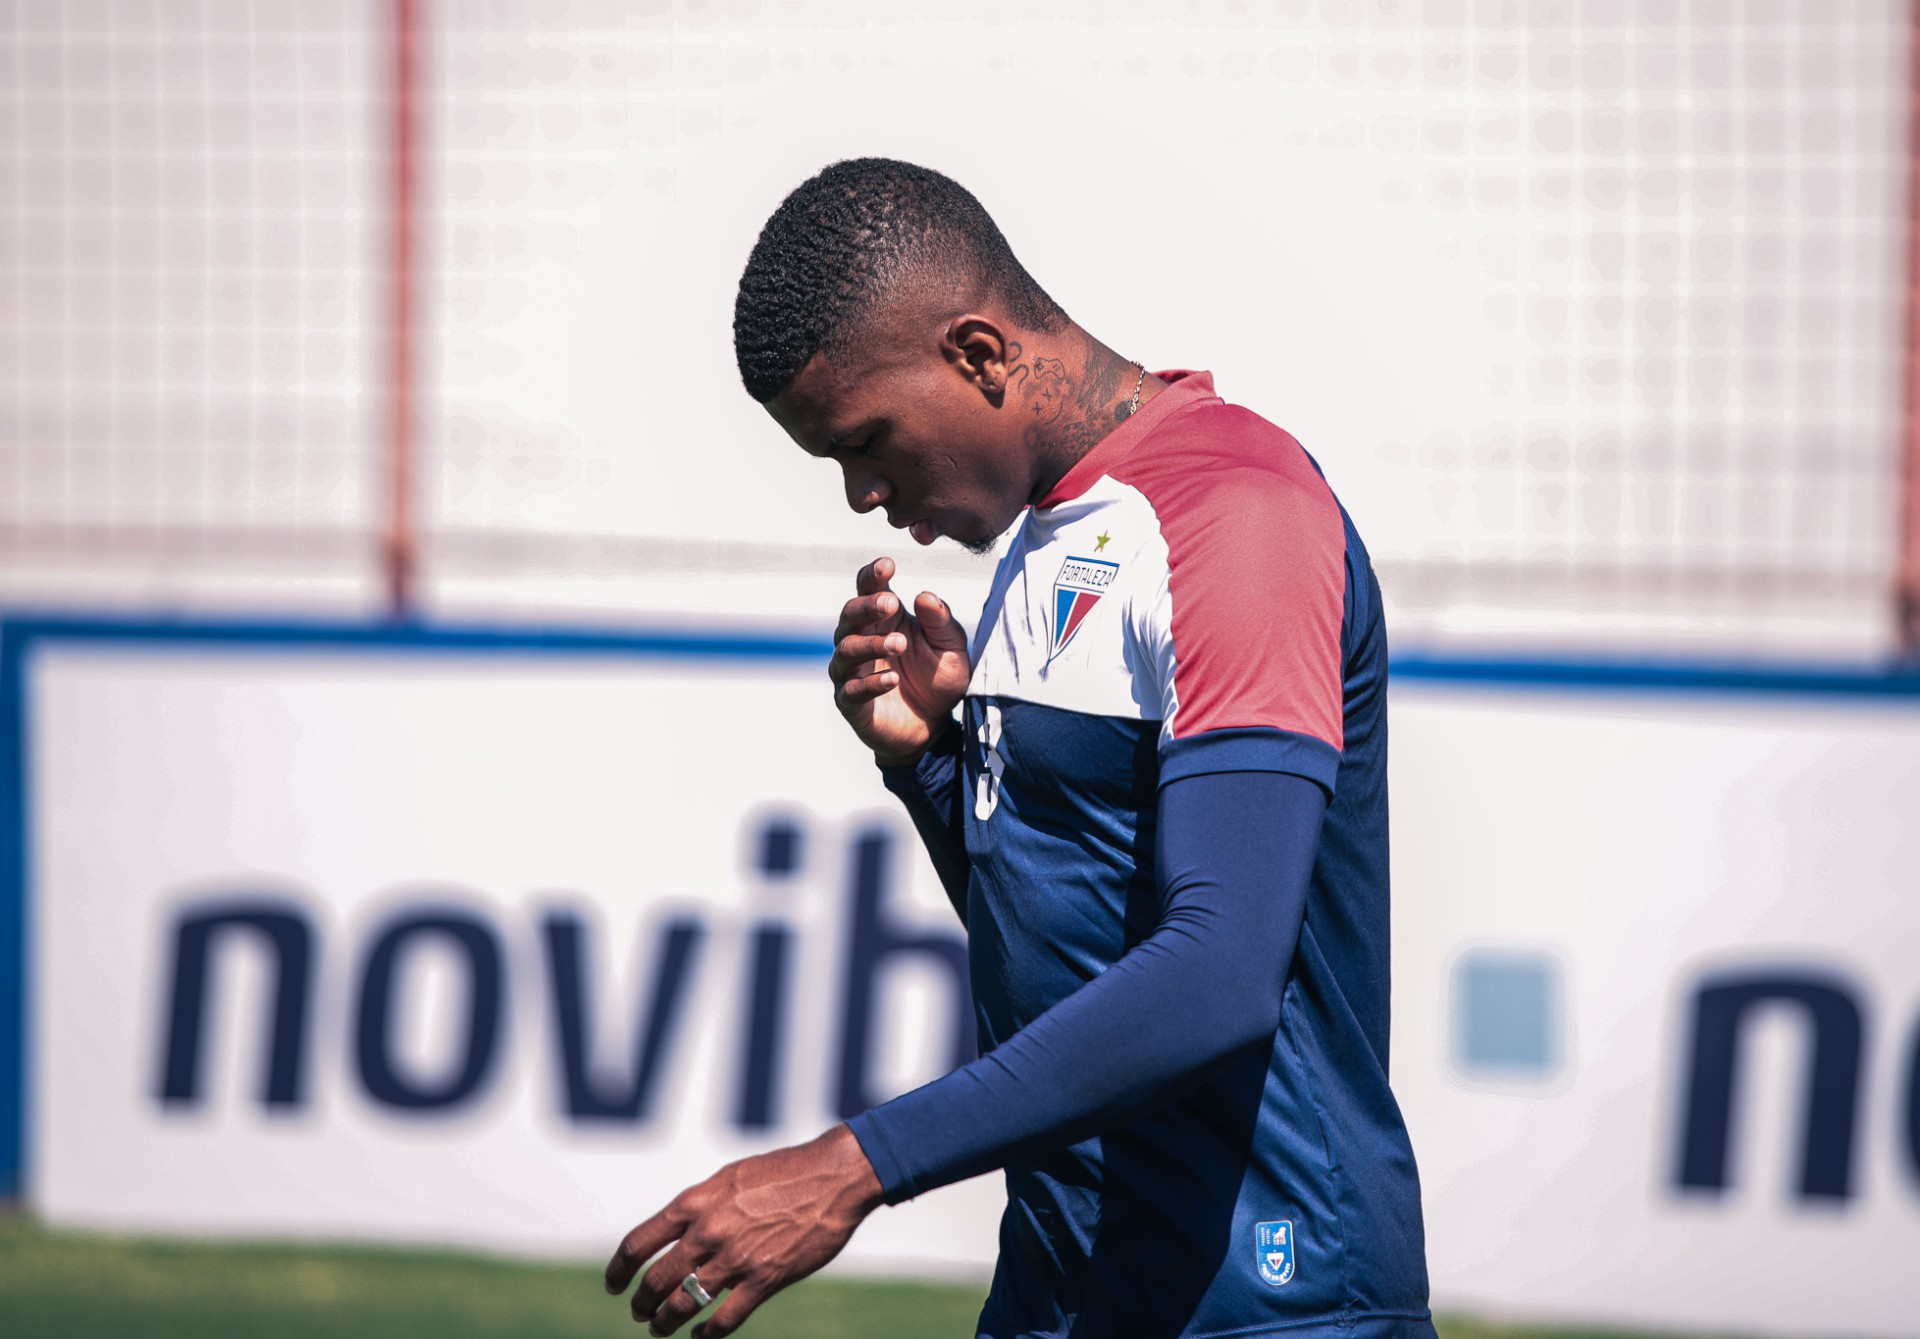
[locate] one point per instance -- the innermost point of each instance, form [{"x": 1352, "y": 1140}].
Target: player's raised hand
[{"x": 897, "y": 673}]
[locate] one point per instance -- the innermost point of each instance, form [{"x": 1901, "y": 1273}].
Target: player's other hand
[
  {"x": 897, "y": 673},
  {"x": 749, "y": 1230}
]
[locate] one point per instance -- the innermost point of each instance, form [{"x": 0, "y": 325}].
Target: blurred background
[
  {"x": 380, "y": 514},
  {"x": 1594, "y": 310}
]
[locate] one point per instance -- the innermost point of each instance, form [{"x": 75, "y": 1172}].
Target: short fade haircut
[{"x": 841, "y": 240}]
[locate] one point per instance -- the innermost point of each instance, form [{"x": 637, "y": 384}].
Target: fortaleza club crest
[
  {"x": 1273, "y": 1249},
  {"x": 1078, "y": 588}
]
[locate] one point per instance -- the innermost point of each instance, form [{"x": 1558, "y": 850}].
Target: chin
[{"x": 981, "y": 547}]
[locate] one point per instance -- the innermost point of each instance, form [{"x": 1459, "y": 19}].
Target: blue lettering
[
  {"x": 1913, "y": 1104},
  {"x": 756, "y": 1105},
  {"x": 595, "y": 1097},
  {"x": 477, "y": 944},
  {"x": 777, "y": 859},
  {"x": 874, "y": 941},
  {"x": 1720, "y": 1007},
  {"x": 287, "y": 932}
]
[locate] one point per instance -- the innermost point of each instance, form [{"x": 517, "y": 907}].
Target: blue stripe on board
[
  {"x": 321, "y": 635},
  {"x": 1681, "y": 676},
  {"x": 18, "y": 635}
]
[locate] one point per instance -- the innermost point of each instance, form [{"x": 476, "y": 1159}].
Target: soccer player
[{"x": 1160, "y": 810}]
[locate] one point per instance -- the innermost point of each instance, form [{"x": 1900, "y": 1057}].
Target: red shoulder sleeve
[{"x": 1256, "y": 556}]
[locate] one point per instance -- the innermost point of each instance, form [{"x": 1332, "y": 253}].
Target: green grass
[
  {"x": 91, "y": 1287},
  {"x": 77, "y": 1286}
]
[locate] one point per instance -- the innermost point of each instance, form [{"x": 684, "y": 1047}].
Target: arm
[
  {"x": 1235, "y": 854},
  {"x": 897, "y": 677},
  {"x": 1236, "y": 850},
  {"x": 930, "y": 789},
  {"x": 760, "y": 1223}
]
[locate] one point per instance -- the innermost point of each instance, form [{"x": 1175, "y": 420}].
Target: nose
[{"x": 865, "y": 491}]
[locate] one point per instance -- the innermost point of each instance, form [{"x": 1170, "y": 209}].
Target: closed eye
[{"x": 864, "y": 448}]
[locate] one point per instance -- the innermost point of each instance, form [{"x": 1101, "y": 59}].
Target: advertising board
[
  {"x": 498, "y": 939},
  {"x": 497, "y": 943},
  {"x": 1656, "y": 1012}
]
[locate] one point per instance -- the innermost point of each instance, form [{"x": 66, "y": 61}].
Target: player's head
[
  {"x": 880, "y": 319},
  {"x": 853, "y": 239}
]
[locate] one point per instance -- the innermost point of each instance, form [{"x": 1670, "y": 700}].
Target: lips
[{"x": 923, "y": 532}]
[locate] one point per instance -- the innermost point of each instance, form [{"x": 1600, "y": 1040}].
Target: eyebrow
[{"x": 839, "y": 439}]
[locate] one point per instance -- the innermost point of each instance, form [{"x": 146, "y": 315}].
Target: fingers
[
  {"x": 860, "y": 670},
  {"x": 873, "y": 603},
  {"x": 875, "y": 613},
  {"x": 856, "y": 693},
  {"x": 868, "y": 633},
  {"x": 657, "y": 1285},
  {"x": 855, "y": 654},
  {"x": 639, "y": 1245},
  {"x": 661, "y": 1302},
  {"x": 738, "y": 1305},
  {"x": 868, "y": 618},
  {"x": 873, "y": 578},
  {"x": 728, "y": 1316},
  {"x": 942, "y": 629}
]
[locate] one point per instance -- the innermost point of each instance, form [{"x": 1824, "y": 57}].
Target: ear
[{"x": 977, "y": 347}]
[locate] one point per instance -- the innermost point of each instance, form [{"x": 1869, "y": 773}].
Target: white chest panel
[{"x": 1078, "y": 615}]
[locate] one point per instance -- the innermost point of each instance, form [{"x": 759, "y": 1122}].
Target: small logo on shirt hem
[
  {"x": 1273, "y": 1251},
  {"x": 1078, "y": 588}
]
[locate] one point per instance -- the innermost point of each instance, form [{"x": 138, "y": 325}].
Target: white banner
[
  {"x": 502, "y": 947},
  {"x": 500, "y": 951},
  {"x": 1656, "y": 1004}
]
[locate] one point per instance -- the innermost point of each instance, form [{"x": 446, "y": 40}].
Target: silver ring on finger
[{"x": 690, "y": 1285}]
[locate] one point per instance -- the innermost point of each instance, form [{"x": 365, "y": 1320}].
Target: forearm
[
  {"x": 930, "y": 789},
  {"x": 1235, "y": 854}
]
